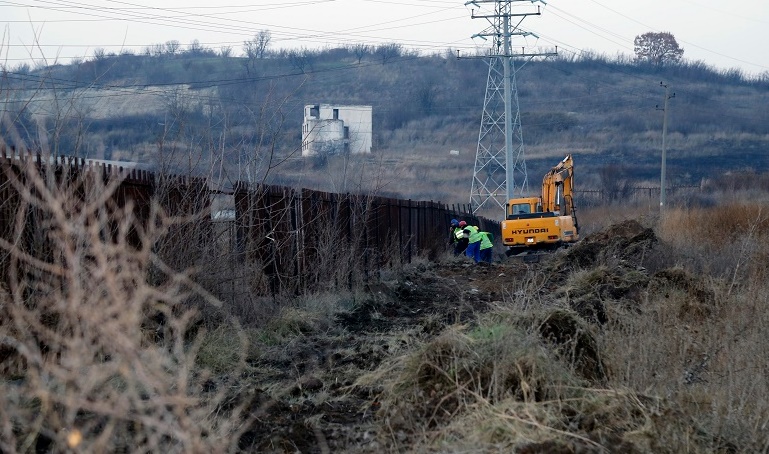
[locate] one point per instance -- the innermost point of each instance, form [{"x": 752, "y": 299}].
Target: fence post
[
  {"x": 409, "y": 234},
  {"x": 400, "y": 231}
]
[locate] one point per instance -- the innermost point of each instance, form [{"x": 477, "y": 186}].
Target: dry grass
[
  {"x": 95, "y": 357},
  {"x": 699, "y": 335},
  {"x": 460, "y": 371},
  {"x": 506, "y": 386}
]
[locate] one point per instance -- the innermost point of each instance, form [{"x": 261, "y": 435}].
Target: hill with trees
[{"x": 197, "y": 110}]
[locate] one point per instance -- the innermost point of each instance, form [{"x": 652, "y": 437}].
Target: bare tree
[
  {"x": 172, "y": 47},
  {"x": 301, "y": 59},
  {"x": 255, "y": 48},
  {"x": 99, "y": 53},
  {"x": 196, "y": 48},
  {"x": 360, "y": 51},
  {"x": 657, "y": 48},
  {"x": 386, "y": 52},
  {"x": 157, "y": 50},
  {"x": 262, "y": 41},
  {"x": 22, "y": 68}
]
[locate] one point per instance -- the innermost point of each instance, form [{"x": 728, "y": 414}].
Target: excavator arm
[{"x": 558, "y": 188}]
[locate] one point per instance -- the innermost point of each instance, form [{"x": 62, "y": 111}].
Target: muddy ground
[
  {"x": 406, "y": 307},
  {"x": 307, "y": 396}
]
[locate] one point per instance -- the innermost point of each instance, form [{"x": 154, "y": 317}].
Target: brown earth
[
  {"x": 309, "y": 395},
  {"x": 411, "y": 306}
]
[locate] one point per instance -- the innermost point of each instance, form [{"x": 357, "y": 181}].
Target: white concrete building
[{"x": 331, "y": 129}]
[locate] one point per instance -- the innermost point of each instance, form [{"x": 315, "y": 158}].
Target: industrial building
[{"x": 331, "y": 129}]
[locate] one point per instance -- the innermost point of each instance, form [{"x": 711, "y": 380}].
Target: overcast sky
[{"x": 718, "y": 33}]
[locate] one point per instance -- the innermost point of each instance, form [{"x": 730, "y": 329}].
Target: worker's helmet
[
  {"x": 454, "y": 222},
  {"x": 462, "y": 223}
]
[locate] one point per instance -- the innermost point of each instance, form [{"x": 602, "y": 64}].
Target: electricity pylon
[{"x": 500, "y": 164}]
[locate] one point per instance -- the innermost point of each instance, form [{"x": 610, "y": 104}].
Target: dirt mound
[
  {"x": 574, "y": 342},
  {"x": 694, "y": 299},
  {"x": 627, "y": 240},
  {"x": 602, "y": 268},
  {"x": 588, "y": 292}
]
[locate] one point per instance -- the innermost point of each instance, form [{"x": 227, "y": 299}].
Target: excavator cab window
[
  {"x": 521, "y": 208},
  {"x": 518, "y": 210}
]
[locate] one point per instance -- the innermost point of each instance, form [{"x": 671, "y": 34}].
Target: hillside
[{"x": 238, "y": 119}]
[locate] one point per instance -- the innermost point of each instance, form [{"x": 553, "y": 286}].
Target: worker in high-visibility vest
[
  {"x": 453, "y": 233},
  {"x": 487, "y": 244},
  {"x": 462, "y": 239},
  {"x": 474, "y": 243}
]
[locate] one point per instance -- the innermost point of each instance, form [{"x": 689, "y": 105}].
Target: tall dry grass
[
  {"x": 99, "y": 346},
  {"x": 704, "y": 349}
]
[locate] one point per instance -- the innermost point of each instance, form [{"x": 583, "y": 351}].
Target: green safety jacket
[
  {"x": 486, "y": 240},
  {"x": 458, "y": 233},
  {"x": 475, "y": 234}
]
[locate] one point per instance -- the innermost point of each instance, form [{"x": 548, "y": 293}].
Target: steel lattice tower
[{"x": 500, "y": 165}]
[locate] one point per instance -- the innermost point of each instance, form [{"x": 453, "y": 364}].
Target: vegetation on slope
[{"x": 240, "y": 118}]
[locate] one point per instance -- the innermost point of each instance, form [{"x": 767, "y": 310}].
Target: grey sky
[{"x": 713, "y": 32}]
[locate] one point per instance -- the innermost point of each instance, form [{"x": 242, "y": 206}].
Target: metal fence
[
  {"x": 289, "y": 234},
  {"x": 25, "y": 216},
  {"x": 293, "y": 233},
  {"x": 631, "y": 194}
]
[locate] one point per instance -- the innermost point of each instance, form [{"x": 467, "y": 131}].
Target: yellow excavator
[{"x": 546, "y": 222}]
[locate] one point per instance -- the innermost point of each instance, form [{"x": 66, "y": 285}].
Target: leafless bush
[{"x": 93, "y": 357}]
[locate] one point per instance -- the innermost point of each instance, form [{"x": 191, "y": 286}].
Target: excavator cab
[{"x": 520, "y": 208}]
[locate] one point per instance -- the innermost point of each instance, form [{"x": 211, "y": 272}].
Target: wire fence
[{"x": 633, "y": 194}]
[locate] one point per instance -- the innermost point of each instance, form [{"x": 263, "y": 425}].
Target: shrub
[{"x": 93, "y": 356}]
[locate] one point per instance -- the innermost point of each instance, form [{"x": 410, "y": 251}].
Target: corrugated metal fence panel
[
  {"x": 278, "y": 235},
  {"x": 304, "y": 226}
]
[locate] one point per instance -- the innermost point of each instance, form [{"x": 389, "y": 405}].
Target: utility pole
[
  {"x": 500, "y": 166},
  {"x": 663, "y": 179}
]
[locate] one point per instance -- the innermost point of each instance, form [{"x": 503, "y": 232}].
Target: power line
[{"x": 237, "y": 25}]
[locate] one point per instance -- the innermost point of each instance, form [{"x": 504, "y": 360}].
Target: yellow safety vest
[
  {"x": 475, "y": 235},
  {"x": 486, "y": 241}
]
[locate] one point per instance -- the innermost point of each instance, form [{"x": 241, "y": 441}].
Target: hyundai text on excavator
[{"x": 545, "y": 222}]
